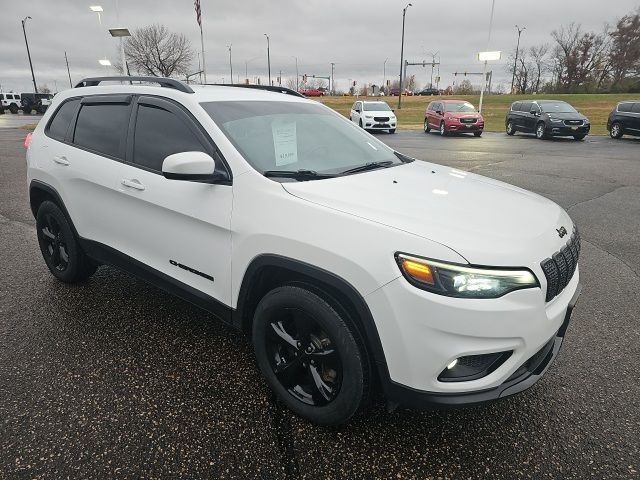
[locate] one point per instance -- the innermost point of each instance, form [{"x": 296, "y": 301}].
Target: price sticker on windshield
[{"x": 285, "y": 143}]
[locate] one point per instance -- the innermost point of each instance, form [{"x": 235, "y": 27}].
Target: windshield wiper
[
  {"x": 301, "y": 174},
  {"x": 368, "y": 166}
]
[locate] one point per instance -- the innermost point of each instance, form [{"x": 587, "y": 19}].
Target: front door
[{"x": 179, "y": 228}]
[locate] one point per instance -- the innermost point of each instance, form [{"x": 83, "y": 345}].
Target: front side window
[
  {"x": 462, "y": 107},
  {"x": 59, "y": 125},
  {"x": 102, "y": 127},
  {"x": 160, "y": 133},
  {"x": 525, "y": 107},
  {"x": 516, "y": 107},
  {"x": 9, "y": 97},
  {"x": 277, "y": 135},
  {"x": 557, "y": 107},
  {"x": 625, "y": 107}
]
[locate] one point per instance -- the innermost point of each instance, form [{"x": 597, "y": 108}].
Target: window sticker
[{"x": 285, "y": 143}]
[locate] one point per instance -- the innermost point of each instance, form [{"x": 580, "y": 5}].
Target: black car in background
[
  {"x": 624, "y": 119},
  {"x": 428, "y": 91},
  {"x": 546, "y": 118}
]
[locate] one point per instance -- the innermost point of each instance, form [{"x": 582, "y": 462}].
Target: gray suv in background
[
  {"x": 546, "y": 118},
  {"x": 624, "y": 119}
]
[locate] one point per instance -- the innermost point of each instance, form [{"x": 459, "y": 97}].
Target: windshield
[
  {"x": 274, "y": 135},
  {"x": 557, "y": 107},
  {"x": 376, "y": 107},
  {"x": 459, "y": 107}
]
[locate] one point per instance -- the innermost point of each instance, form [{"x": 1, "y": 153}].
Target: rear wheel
[
  {"x": 308, "y": 355},
  {"x": 579, "y": 137},
  {"x": 443, "y": 130},
  {"x": 60, "y": 248},
  {"x": 540, "y": 131},
  {"x": 616, "y": 130},
  {"x": 26, "y": 110},
  {"x": 13, "y": 108},
  {"x": 511, "y": 129},
  {"x": 426, "y": 126}
]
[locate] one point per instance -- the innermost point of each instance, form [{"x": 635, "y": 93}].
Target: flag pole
[{"x": 204, "y": 68}]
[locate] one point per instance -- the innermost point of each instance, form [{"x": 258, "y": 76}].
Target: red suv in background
[{"x": 449, "y": 116}]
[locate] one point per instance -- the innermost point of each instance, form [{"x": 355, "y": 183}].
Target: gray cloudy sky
[{"x": 357, "y": 35}]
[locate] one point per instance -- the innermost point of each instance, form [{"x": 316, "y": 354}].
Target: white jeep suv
[{"x": 352, "y": 266}]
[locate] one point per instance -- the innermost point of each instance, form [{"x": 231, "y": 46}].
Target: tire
[
  {"x": 392, "y": 130},
  {"x": 579, "y": 137},
  {"x": 426, "y": 126},
  {"x": 13, "y": 108},
  {"x": 26, "y": 110},
  {"x": 57, "y": 241},
  {"x": 477, "y": 134},
  {"x": 616, "y": 130},
  {"x": 443, "y": 130},
  {"x": 360, "y": 123},
  {"x": 294, "y": 327},
  {"x": 511, "y": 129},
  {"x": 540, "y": 131}
]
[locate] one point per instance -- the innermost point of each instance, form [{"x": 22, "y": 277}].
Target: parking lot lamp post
[
  {"x": 33, "y": 77},
  {"x": 297, "y": 76},
  {"x": 404, "y": 13},
  {"x": 384, "y": 76},
  {"x": 515, "y": 61},
  {"x": 120, "y": 33},
  {"x": 230, "y": 63},
  {"x": 268, "y": 59}
]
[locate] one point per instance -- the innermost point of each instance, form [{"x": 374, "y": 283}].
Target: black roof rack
[
  {"x": 164, "y": 82},
  {"x": 270, "y": 88}
]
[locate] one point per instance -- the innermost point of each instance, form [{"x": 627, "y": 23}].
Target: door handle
[
  {"x": 133, "y": 183},
  {"x": 61, "y": 160}
]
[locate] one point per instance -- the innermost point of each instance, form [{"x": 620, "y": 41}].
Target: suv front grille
[
  {"x": 468, "y": 120},
  {"x": 559, "y": 269},
  {"x": 573, "y": 122},
  {"x": 381, "y": 119}
]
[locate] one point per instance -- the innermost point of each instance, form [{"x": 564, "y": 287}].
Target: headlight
[
  {"x": 463, "y": 281},
  {"x": 555, "y": 120},
  {"x": 368, "y": 116}
]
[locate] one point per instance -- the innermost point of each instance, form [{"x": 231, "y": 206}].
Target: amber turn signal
[{"x": 418, "y": 271}]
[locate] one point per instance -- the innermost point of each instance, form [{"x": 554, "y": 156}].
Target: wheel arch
[
  {"x": 268, "y": 271},
  {"x": 40, "y": 192}
]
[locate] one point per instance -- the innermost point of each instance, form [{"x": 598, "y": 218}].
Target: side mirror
[
  {"x": 193, "y": 167},
  {"x": 439, "y": 112},
  {"x": 357, "y": 110},
  {"x": 534, "y": 112}
]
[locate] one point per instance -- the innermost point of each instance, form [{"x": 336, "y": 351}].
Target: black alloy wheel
[
  {"x": 309, "y": 356},
  {"x": 54, "y": 243}
]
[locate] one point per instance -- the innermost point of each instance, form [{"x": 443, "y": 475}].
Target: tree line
[{"x": 579, "y": 61}]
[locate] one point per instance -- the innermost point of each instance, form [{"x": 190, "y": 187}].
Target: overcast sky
[{"x": 357, "y": 35}]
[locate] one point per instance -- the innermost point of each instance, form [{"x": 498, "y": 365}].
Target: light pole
[
  {"x": 384, "y": 76},
  {"x": 404, "y": 13},
  {"x": 484, "y": 72},
  {"x": 297, "y": 76},
  {"x": 515, "y": 61},
  {"x": 268, "y": 58},
  {"x": 433, "y": 64},
  {"x": 98, "y": 10},
  {"x": 68, "y": 71},
  {"x": 333, "y": 88},
  {"x": 33, "y": 77},
  {"x": 120, "y": 33},
  {"x": 230, "y": 64}
]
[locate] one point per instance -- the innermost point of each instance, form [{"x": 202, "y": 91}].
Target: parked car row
[{"x": 27, "y": 102}]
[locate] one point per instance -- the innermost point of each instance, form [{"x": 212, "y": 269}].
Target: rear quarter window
[
  {"x": 625, "y": 107},
  {"x": 636, "y": 107},
  {"x": 61, "y": 120},
  {"x": 515, "y": 107}
]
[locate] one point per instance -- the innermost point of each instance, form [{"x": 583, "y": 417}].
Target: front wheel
[
  {"x": 511, "y": 130},
  {"x": 540, "y": 131},
  {"x": 443, "y": 130},
  {"x": 308, "y": 355},
  {"x": 616, "y": 130},
  {"x": 477, "y": 134},
  {"x": 579, "y": 137},
  {"x": 60, "y": 248},
  {"x": 426, "y": 126},
  {"x": 392, "y": 130}
]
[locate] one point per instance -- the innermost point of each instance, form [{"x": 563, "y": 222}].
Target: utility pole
[
  {"x": 484, "y": 72},
  {"x": 384, "y": 76},
  {"x": 268, "y": 58},
  {"x": 433, "y": 64},
  {"x": 68, "y": 71},
  {"x": 404, "y": 13},
  {"x": 230, "y": 64},
  {"x": 24, "y": 20},
  {"x": 515, "y": 61},
  {"x": 297, "y": 76},
  {"x": 333, "y": 88}
]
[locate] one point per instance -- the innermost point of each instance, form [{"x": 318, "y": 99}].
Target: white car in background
[{"x": 373, "y": 116}]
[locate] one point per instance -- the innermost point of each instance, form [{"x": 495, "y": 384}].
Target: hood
[
  {"x": 486, "y": 221},
  {"x": 464, "y": 115},
  {"x": 566, "y": 116},
  {"x": 379, "y": 113}
]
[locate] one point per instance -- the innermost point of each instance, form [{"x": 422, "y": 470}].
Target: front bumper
[
  {"x": 464, "y": 127},
  {"x": 422, "y": 333},
  {"x": 372, "y": 124},
  {"x": 565, "y": 131}
]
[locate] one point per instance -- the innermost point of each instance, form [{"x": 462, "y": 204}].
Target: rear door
[
  {"x": 179, "y": 228},
  {"x": 635, "y": 118},
  {"x": 524, "y": 117},
  {"x": 89, "y": 142},
  {"x": 531, "y": 119}
]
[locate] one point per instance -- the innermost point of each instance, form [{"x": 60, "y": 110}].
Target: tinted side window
[
  {"x": 636, "y": 108},
  {"x": 160, "y": 133},
  {"x": 102, "y": 127},
  {"x": 1, "y": 96},
  {"x": 535, "y": 108},
  {"x": 61, "y": 120},
  {"x": 625, "y": 107},
  {"x": 9, "y": 97},
  {"x": 516, "y": 107},
  {"x": 525, "y": 107}
]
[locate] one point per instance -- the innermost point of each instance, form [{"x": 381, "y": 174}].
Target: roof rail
[
  {"x": 270, "y": 88},
  {"x": 164, "y": 82}
]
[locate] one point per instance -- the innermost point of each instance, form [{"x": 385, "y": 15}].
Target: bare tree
[
  {"x": 625, "y": 49},
  {"x": 538, "y": 56},
  {"x": 464, "y": 88},
  {"x": 290, "y": 83},
  {"x": 411, "y": 83},
  {"x": 155, "y": 51},
  {"x": 44, "y": 88}
]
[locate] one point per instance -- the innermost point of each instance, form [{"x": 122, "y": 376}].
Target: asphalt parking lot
[{"x": 116, "y": 379}]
